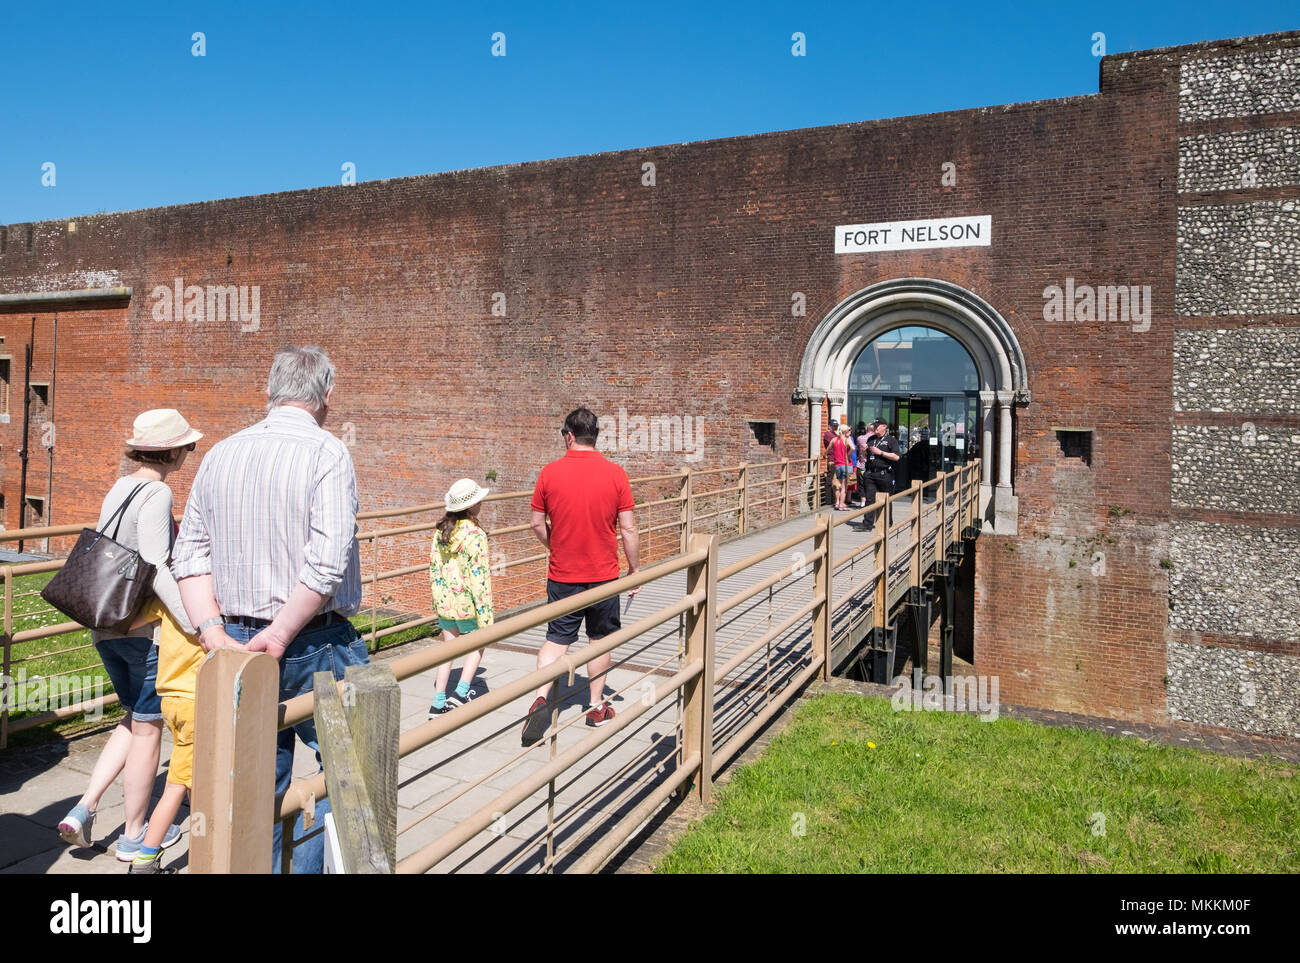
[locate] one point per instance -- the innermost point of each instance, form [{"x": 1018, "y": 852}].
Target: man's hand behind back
[
  {"x": 268, "y": 641},
  {"x": 216, "y": 638}
]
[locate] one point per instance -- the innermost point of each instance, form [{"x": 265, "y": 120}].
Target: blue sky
[{"x": 287, "y": 93}]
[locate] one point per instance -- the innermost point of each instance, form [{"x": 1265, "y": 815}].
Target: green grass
[
  {"x": 46, "y": 657},
  {"x": 946, "y": 793}
]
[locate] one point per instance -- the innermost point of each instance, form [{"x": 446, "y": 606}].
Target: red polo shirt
[{"x": 583, "y": 492}]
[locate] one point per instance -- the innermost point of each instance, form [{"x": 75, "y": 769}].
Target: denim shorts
[{"x": 132, "y": 666}]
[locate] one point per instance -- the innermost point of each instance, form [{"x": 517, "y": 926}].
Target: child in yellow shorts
[{"x": 179, "y": 658}]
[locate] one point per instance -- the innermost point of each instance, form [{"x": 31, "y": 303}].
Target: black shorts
[{"x": 602, "y": 618}]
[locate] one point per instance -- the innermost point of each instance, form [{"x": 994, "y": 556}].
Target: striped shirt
[{"x": 272, "y": 506}]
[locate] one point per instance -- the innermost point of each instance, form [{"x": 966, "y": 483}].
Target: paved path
[{"x": 446, "y": 781}]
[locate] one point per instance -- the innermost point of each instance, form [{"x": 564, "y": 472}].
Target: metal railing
[
  {"x": 720, "y": 653},
  {"x": 731, "y": 660},
  {"x": 671, "y": 507}
]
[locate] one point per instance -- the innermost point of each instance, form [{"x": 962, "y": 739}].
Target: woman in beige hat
[
  {"x": 142, "y": 503},
  {"x": 462, "y": 585}
]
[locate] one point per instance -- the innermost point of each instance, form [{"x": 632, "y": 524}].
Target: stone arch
[{"x": 862, "y": 317}]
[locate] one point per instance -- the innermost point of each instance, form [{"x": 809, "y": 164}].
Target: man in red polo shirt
[{"x": 588, "y": 501}]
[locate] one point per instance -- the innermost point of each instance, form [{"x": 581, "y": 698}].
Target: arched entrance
[
  {"x": 926, "y": 386},
  {"x": 1001, "y": 377}
]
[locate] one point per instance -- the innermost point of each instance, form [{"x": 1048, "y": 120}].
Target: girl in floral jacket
[{"x": 462, "y": 585}]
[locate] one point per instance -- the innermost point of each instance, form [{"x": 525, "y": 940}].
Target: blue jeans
[
  {"x": 132, "y": 667},
  {"x": 330, "y": 648}
]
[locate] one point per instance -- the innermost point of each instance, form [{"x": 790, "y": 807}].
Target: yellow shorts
[{"x": 178, "y": 713}]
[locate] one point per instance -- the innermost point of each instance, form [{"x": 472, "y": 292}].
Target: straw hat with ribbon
[{"x": 162, "y": 429}]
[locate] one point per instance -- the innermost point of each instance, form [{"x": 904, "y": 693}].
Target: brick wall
[{"x": 676, "y": 299}]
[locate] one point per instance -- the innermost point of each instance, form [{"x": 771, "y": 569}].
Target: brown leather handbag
[{"x": 103, "y": 584}]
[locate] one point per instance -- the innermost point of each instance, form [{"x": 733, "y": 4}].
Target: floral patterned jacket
[{"x": 462, "y": 583}]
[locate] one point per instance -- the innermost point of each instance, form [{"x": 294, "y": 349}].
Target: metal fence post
[
  {"x": 785, "y": 488},
  {"x": 6, "y": 686},
  {"x": 236, "y": 706},
  {"x": 823, "y": 582},
  {"x": 918, "y": 503},
  {"x": 742, "y": 505},
  {"x": 697, "y": 695},
  {"x": 690, "y": 504},
  {"x": 684, "y": 493},
  {"x": 941, "y": 544},
  {"x": 882, "y": 560}
]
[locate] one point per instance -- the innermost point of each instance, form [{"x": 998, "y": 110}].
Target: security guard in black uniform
[{"x": 877, "y": 472}]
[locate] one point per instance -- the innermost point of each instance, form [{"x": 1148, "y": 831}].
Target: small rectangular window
[
  {"x": 1076, "y": 443},
  {"x": 764, "y": 431},
  {"x": 4, "y": 385}
]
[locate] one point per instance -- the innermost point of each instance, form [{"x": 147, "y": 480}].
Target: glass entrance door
[{"x": 911, "y": 426}]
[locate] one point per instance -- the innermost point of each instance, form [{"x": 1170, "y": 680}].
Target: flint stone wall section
[
  {"x": 1239, "y": 85},
  {"x": 1238, "y": 259},
  {"x": 1234, "y": 688},
  {"x": 1242, "y": 369},
  {"x": 1239, "y": 160},
  {"x": 1234, "y": 580},
  {"x": 1257, "y": 472}
]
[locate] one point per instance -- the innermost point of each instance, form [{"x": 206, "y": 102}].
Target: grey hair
[{"x": 303, "y": 375}]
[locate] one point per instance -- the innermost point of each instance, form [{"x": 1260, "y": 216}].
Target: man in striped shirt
[{"x": 267, "y": 555}]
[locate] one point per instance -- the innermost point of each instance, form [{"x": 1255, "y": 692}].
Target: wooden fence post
[
  {"x": 823, "y": 582},
  {"x": 701, "y": 624},
  {"x": 358, "y": 735},
  {"x": 237, "y": 698}
]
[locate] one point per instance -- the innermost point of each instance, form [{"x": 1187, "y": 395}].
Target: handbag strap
[{"x": 121, "y": 512}]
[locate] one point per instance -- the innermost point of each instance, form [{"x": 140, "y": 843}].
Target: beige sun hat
[
  {"x": 464, "y": 494},
  {"x": 161, "y": 429}
]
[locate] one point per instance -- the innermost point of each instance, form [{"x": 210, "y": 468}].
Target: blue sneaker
[
  {"x": 76, "y": 825},
  {"x": 128, "y": 847}
]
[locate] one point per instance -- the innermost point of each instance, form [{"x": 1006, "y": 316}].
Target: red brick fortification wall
[{"x": 468, "y": 312}]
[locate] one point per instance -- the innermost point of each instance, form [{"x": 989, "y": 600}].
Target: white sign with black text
[{"x": 974, "y": 231}]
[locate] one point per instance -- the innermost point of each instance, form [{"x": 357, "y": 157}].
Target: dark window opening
[
  {"x": 42, "y": 391},
  {"x": 1076, "y": 444},
  {"x": 4, "y": 386},
  {"x": 764, "y": 433}
]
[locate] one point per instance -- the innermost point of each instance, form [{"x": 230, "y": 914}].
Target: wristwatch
[{"x": 208, "y": 623}]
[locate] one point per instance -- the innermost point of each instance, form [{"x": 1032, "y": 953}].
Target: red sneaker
[
  {"x": 537, "y": 722},
  {"x": 600, "y": 715}
]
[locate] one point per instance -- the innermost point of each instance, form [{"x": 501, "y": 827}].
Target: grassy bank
[{"x": 853, "y": 786}]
